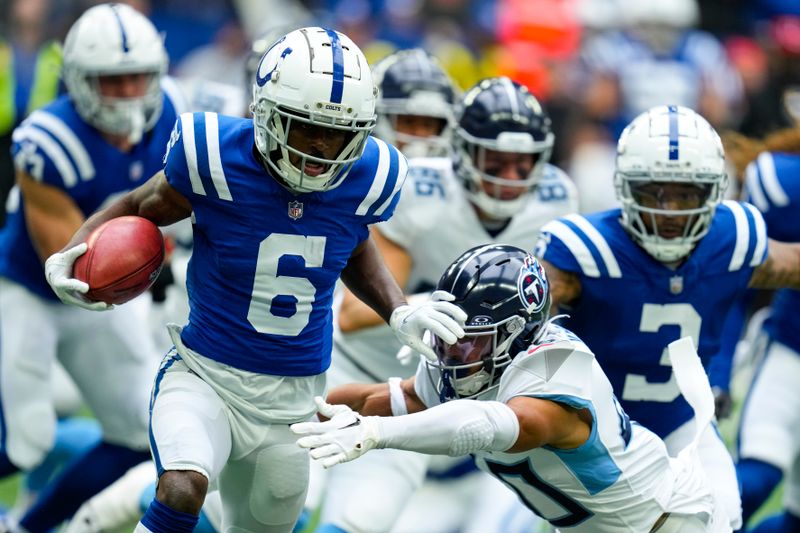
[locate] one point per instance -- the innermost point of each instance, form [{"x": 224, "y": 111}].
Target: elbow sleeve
[{"x": 459, "y": 427}]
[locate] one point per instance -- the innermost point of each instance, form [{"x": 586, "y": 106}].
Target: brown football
[{"x": 124, "y": 258}]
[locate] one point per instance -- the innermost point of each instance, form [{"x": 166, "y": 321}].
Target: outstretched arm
[
  {"x": 780, "y": 269},
  {"x": 375, "y": 399},
  {"x": 454, "y": 428}
]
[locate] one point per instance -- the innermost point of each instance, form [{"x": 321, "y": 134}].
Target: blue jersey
[
  {"x": 265, "y": 260},
  {"x": 773, "y": 185},
  {"x": 631, "y": 306},
  {"x": 57, "y": 147}
]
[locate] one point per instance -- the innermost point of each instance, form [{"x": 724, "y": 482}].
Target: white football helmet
[
  {"x": 319, "y": 77},
  {"x": 669, "y": 145},
  {"x": 107, "y": 40}
]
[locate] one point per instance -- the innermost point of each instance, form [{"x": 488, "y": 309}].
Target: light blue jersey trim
[{"x": 591, "y": 463}]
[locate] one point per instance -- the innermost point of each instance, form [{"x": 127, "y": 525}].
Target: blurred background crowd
[{"x": 595, "y": 64}]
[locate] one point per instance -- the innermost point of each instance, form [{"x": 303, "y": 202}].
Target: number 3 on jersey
[
  {"x": 268, "y": 284},
  {"x": 654, "y": 316}
]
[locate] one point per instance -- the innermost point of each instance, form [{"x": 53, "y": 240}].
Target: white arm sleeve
[{"x": 454, "y": 428}]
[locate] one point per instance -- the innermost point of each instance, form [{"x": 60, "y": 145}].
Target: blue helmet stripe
[
  {"x": 673, "y": 133},
  {"x": 121, "y": 28},
  {"x": 338, "y": 67}
]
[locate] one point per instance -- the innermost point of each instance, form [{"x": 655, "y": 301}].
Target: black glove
[{"x": 722, "y": 403}]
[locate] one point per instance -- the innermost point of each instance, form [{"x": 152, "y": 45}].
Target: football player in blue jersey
[
  {"x": 668, "y": 264},
  {"x": 769, "y": 434},
  {"x": 528, "y": 399},
  {"x": 102, "y": 139},
  {"x": 280, "y": 206}
]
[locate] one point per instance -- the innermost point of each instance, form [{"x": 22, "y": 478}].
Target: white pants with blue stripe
[{"x": 232, "y": 426}]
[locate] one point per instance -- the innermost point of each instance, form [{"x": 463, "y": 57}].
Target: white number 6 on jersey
[{"x": 268, "y": 284}]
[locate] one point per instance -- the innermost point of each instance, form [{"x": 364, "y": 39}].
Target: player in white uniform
[
  {"x": 498, "y": 187},
  {"x": 547, "y": 423}
]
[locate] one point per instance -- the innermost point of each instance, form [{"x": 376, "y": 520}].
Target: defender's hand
[
  {"x": 346, "y": 436},
  {"x": 58, "y": 271},
  {"x": 442, "y": 318}
]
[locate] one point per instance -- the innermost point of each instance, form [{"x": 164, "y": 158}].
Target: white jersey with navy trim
[
  {"x": 772, "y": 183},
  {"x": 265, "y": 260},
  {"x": 55, "y": 146},
  {"x": 631, "y": 306},
  {"x": 435, "y": 223},
  {"x": 620, "y": 480}
]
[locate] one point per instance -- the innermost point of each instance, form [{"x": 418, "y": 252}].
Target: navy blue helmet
[
  {"x": 506, "y": 295},
  {"x": 501, "y": 115},
  {"x": 413, "y": 83}
]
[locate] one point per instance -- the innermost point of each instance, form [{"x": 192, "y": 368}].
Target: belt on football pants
[{"x": 659, "y": 522}]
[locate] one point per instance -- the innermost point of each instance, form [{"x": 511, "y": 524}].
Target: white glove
[
  {"x": 407, "y": 355},
  {"x": 346, "y": 436},
  {"x": 443, "y": 319},
  {"x": 58, "y": 271}
]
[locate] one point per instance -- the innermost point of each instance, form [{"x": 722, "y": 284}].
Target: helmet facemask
[
  {"x": 426, "y": 104},
  {"x": 646, "y": 199},
  {"x": 473, "y": 365},
  {"x": 500, "y": 198},
  {"x": 274, "y": 124},
  {"x": 112, "y": 115}
]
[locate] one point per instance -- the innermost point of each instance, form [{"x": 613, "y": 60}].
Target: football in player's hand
[{"x": 124, "y": 258}]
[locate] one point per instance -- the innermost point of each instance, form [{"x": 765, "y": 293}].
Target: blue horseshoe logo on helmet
[{"x": 261, "y": 81}]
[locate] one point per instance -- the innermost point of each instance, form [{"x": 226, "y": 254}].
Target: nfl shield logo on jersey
[
  {"x": 295, "y": 210},
  {"x": 676, "y": 284}
]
